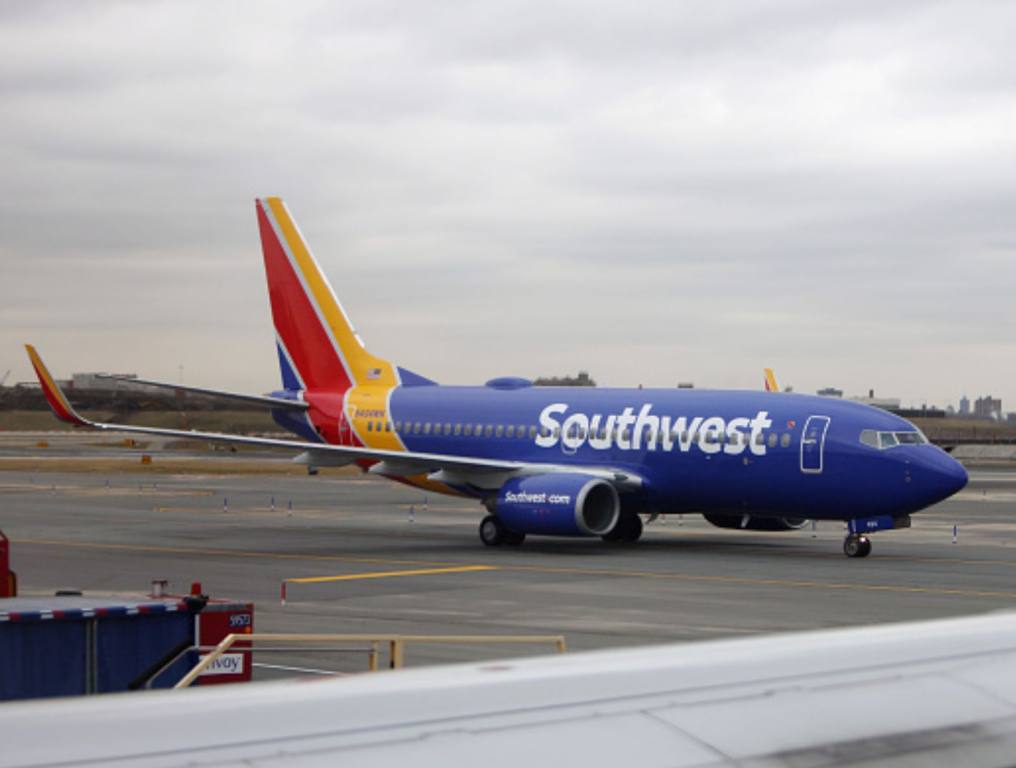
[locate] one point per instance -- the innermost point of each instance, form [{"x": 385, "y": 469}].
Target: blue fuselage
[{"x": 740, "y": 452}]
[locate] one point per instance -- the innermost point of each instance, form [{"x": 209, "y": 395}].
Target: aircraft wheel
[
  {"x": 857, "y": 546},
  {"x": 514, "y": 538},
  {"x": 632, "y": 529},
  {"x": 492, "y": 531}
]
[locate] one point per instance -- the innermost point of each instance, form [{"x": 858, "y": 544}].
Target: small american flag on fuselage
[{"x": 374, "y": 373}]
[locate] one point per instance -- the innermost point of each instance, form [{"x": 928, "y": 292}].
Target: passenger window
[
  {"x": 532, "y": 433},
  {"x": 416, "y": 427},
  {"x": 478, "y": 430},
  {"x": 499, "y": 431},
  {"x": 370, "y": 426},
  {"x": 468, "y": 429},
  {"x": 520, "y": 430},
  {"x": 398, "y": 426},
  {"x": 447, "y": 429},
  {"x": 488, "y": 431},
  {"x": 886, "y": 440},
  {"x": 557, "y": 432},
  {"x": 785, "y": 440},
  {"x": 388, "y": 426},
  {"x": 773, "y": 437},
  {"x": 458, "y": 429},
  {"x": 426, "y": 428},
  {"x": 510, "y": 432}
]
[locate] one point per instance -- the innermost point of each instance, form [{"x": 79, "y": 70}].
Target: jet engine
[
  {"x": 753, "y": 523},
  {"x": 560, "y": 504}
]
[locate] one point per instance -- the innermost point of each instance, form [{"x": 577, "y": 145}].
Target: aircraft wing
[
  {"x": 937, "y": 693},
  {"x": 466, "y": 469},
  {"x": 265, "y": 400}
]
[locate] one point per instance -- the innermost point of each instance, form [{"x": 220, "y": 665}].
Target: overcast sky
[{"x": 654, "y": 192}]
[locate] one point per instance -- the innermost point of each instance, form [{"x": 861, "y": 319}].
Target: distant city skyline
[{"x": 683, "y": 193}]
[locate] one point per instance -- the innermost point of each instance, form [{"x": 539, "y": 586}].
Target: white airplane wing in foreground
[{"x": 929, "y": 694}]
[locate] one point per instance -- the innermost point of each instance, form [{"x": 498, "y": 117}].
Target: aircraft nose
[{"x": 940, "y": 476}]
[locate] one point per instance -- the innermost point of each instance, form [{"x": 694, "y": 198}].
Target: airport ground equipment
[
  {"x": 72, "y": 645},
  {"x": 8, "y": 579},
  {"x": 66, "y": 646}
]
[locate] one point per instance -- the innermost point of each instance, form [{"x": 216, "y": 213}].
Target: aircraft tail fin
[
  {"x": 770, "y": 381},
  {"x": 317, "y": 344},
  {"x": 58, "y": 402}
]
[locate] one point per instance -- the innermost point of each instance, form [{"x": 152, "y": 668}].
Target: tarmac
[{"x": 412, "y": 563}]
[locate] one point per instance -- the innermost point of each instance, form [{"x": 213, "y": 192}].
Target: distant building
[
  {"x": 988, "y": 407},
  {"x": 885, "y": 403},
  {"x": 103, "y": 382},
  {"x": 99, "y": 381},
  {"x": 924, "y": 412},
  {"x": 830, "y": 392},
  {"x": 581, "y": 380},
  {"x": 964, "y": 406}
]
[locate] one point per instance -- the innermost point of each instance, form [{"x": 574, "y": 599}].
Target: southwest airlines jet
[{"x": 562, "y": 461}]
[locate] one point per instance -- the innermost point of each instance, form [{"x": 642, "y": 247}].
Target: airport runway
[{"x": 684, "y": 581}]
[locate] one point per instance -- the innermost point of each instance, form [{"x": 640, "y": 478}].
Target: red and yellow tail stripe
[
  {"x": 318, "y": 338},
  {"x": 56, "y": 399},
  {"x": 309, "y": 319},
  {"x": 770, "y": 381}
]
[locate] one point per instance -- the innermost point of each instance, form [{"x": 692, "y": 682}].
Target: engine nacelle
[
  {"x": 757, "y": 523},
  {"x": 561, "y": 504}
]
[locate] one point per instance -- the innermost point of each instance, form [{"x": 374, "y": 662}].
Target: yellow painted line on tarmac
[
  {"x": 557, "y": 570},
  {"x": 391, "y": 574}
]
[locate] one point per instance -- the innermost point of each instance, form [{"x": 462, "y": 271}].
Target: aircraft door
[{"x": 813, "y": 444}]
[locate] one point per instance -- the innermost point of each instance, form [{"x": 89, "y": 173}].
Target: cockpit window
[
  {"x": 883, "y": 440},
  {"x": 910, "y": 438}
]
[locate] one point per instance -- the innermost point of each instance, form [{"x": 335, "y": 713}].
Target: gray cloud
[{"x": 678, "y": 191}]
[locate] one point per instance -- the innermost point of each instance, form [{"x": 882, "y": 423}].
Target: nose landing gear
[{"x": 856, "y": 545}]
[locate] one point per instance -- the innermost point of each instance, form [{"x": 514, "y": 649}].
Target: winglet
[
  {"x": 771, "y": 385},
  {"x": 61, "y": 406}
]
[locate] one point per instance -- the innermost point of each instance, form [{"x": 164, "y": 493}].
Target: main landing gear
[
  {"x": 856, "y": 545},
  {"x": 494, "y": 534},
  {"x": 628, "y": 529}
]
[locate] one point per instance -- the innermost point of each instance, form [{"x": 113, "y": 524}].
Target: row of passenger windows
[
  {"x": 883, "y": 440},
  {"x": 458, "y": 429},
  {"x": 575, "y": 432}
]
